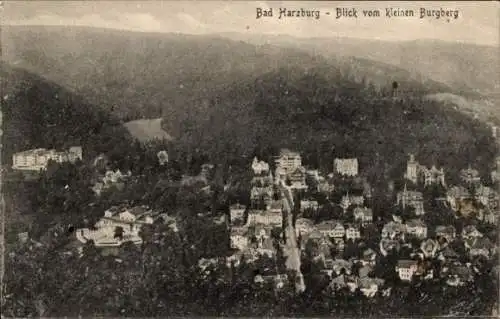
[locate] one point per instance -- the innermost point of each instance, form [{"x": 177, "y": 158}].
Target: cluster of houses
[
  {"x": 402, "y": 236},
  {"x": 38, "y": 159},
  {"x": 121, "y": 224},
  {"x": 418, "y": 173},
  {"x": 251, "y": 227},
  {"x": 111, "y": 178},
  {"x": 416, "y": 244},
  {"x": 395, "y": 237}
]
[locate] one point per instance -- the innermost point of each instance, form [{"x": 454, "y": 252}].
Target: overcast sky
[{"x": 478, "y": 21}]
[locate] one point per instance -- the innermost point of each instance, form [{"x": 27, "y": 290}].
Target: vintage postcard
[{"x": 249, "y": 158}]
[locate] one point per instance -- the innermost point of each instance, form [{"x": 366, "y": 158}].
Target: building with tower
[
  {"x": 413, "y": 199},
  {"x": 417, "y": 173}
]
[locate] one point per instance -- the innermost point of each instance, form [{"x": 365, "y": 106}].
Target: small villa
[{"x": 119, "y": 225}]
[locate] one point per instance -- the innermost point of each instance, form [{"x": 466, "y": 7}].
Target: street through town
[{"x": 291, "y": 249}]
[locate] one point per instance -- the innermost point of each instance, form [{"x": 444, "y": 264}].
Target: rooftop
[
  {"x": 394, "y": 227},
  {"x": 238, "y": 206},
  {"x": 406, "y": 263},
  {"x": 469, "y": 229},
  {"x": 363, "y": 210},
  {"x": 416, "y": 223},
  {"x": 449, "y": 253},
  {"x": 482, "y": 243},
  {"x": 328, "y": 225},
  {"x": 352, "y": 160},
  {"x": 287, "y": 152},
  {"x": 445, "y": 229},
  {"x": 138, "y": 210}
]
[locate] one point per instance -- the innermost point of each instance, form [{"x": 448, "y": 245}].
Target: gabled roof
[
  {"x": 388, "y": 244},
  {"x": 328, "y": 225},
  {"x": 364, "y": 271},
  {"x": 288, "y": 152},
  {"x": 341, "y": 263},
  {"x": 259, "y": 228},
  {"x": 350, "y": 161},
  {"x": 363, "y": 210},
  {"x": 394, "y": 227},
  {"x": 314, "y": 234},
  {"x": 138, "y": 210},
  {"x": 449, "y": 253},
  {"x": 429, "y": 245},
  {"x": 458, "y": 191},
  {"x": 268, "y": 244},
  {"x": 143, "y": 217},
  {"x": 369, "y": 252},
  {"x": 415, "y": 223},
  {"x": 304, "y": 221},
  {"x": 482, "y": 243},
  {"x": 406, "y": 263},
  {"x": 445, "y": 229},
  {"x": 166, "y": 217},
  {"x": 352, "y": 226},
  {"x": 469, "y": 229},
  {"x": 461, "y": 271},
  {"x": 308, "y": 201},
  {"x": 298, "y": 171},
  {"x": 238, "y": 231},
  {"x": 367, "y": 282},
  {"x": 276, "y": 204},
  {"x": 237, "y": 206},
  {"x": 484, "y": 190},
  {"x": 339, "y": 281},
  {"x": 470, "y": 171}
]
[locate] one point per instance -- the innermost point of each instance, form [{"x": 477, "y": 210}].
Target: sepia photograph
[{"x": 249, "y": 159}]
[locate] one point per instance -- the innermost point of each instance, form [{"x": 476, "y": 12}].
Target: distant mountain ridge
[
  {"x": 463, "y": 66},
  {"x": 151, "y": 74}
]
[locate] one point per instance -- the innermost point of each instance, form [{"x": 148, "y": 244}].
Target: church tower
[{"x": 411, "y": 169}]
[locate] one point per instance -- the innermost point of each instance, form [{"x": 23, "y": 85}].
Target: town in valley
[
  {"x": 296, "y": 221},
  {"x": 229, "y": 159}
]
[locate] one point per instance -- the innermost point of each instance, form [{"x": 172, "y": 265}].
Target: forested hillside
[
  {"x": 463, "y": 66},
  {"x": 324, "y": 115},
  {"x": 40, "y": 114},
  {"x": 138, "y": 75}
]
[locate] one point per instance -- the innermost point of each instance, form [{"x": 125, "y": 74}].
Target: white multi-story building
[
  {"x": 259, "y": 167},
  {"x": 331, "y": 228},
  {"x": 417, "y": 228},
  {"x": 363, "y": 215},
  {"x": 352, "y": 232},
  {"x": 393, "y": 230},
  {"x": 288, "y": 161},
  {"x": 38, "y": 159},
  {"x": 265, "y": 218},
  {"x": 470, "y": 176},
  {"x": 128, "y": 220},
  {"x": 162, "y": 157},
  {"x": 346, "y": 166},
  {"x": 239, "y": 239},
  {"x": 308, "y": 204},
  {"x": 406, "y": 269}
]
